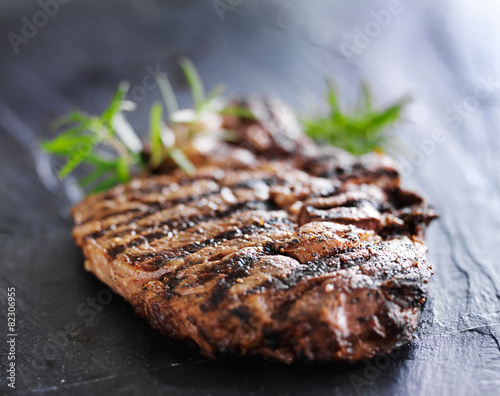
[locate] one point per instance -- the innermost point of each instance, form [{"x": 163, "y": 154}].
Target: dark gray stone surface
[{"x": 74, "y": 337}]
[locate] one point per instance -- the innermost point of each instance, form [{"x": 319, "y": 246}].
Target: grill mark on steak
[
  {"x": 138, "y": 195},
  {"x": 324, "y": 265},
  {"x": 184, "y": 224},
  {"x": 180, "y": 181},
  {"x": 159, "y": 258},
  {"x": 236, "y": 269},
  {"x": 155, "y": 207}
]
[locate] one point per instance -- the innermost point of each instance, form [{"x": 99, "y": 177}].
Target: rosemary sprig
[
  {"x": 94, "y": 139},
  {"x": 203, "y": 120},
  {"x": 358, "y": 132},
  {"x": 109, "y": 143}
]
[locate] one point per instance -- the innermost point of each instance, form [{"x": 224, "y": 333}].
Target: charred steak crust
[{"x": 274, "y": 247}]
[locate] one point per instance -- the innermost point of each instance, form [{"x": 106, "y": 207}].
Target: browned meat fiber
[{"x": 273, "y": 247}]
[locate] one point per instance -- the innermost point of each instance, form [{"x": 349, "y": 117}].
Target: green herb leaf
[
  {"x": 211, "y": 97},
  {"x": 81, "y": 143},
  {"x": 122, "y": 170},
  {"x": 156, "y": 142},
  {"x": 194, "y": 81},
  {"x": 126, "y": 133},
  {"x": 181, "y": 160},
  {"x": 358, "y": 132},
  {"x": 116, "y": 103},
  {"x": 167, "y": 93},
  {"x": 68, "y": 119}
]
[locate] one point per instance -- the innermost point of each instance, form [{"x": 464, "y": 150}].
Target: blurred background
[{"x": 61, "y": 54}]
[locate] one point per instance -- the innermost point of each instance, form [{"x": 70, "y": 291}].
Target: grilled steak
[{"x": 274, "y": 247}]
